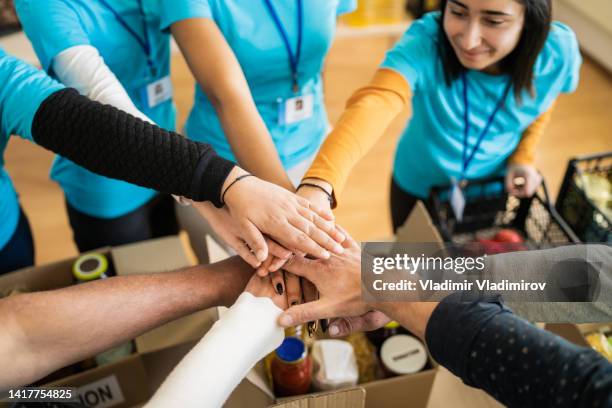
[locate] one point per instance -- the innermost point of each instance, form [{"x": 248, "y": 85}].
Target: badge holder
[
  {"x": 457, "y": 199},
  {"x": 295, "y": 109}
]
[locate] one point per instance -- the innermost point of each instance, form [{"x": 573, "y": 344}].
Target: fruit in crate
[
  {"x": 505, "y": 240},
  {"x": 508, "y": 235},
  {"x": 598, "y": 189}
]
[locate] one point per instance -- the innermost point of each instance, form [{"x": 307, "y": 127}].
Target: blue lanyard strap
[
  {"x": 466, "y": 130},
  {"x": 294, "y": 59},
  {"x": 144, "y": 43}
]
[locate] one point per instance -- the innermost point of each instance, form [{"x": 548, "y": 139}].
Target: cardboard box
[
  {"x": 576, "y": 332},
  {"x": 129, "y": 381}
]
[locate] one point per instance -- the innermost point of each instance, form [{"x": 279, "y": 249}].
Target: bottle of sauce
[{"x": 291, "y": 368}]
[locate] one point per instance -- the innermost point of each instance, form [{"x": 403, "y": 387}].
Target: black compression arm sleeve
[{"x": 112, "y": 143}]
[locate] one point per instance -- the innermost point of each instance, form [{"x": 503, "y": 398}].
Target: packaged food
[
  {"x": 403, "y": 354},
  {"x": 291, "y": 368},
  {"x": 334, "y": 365}
]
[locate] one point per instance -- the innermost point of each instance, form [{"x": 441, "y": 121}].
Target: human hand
[
  {"x": 259, "y": 207},
  {"x": 338, "y": 280},
  {"x": 264, "y": 287},
  {"x": 522, "y": 180},
  {"x": 372, "y": 320},
  {"x": 316, "y": 195},
  {"x": 225, "y": 226}
]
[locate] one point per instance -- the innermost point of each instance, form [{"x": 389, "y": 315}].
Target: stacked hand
[{"x": 259, "y": 209}]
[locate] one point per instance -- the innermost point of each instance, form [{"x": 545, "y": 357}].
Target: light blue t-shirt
[
  {"x": 250, "y": 31},
  {"x": 429, "y": 151},
  {"x": 56, "y": 25},
  {"x": 23, "y": 89}
]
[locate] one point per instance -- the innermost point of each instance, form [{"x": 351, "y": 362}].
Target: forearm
[
  {"x": 250, "y": 140},
  {"x": 255, "y": 316},
  {"x": 83, "y": 68},
  {"x": 526, "y": 150},
  {"x": 519, "y": 364},
  {"x": 52, "y": 329},
  {"x": 112, "y": 143},
  {"x": 220, "y": 76},
  {"x": 367, "y": 115}
]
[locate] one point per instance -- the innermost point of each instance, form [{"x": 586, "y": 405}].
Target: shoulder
[{"x": 560, "y": 50}]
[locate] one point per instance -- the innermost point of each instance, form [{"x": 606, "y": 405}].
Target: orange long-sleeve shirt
[{"x": 368, "y": 113}]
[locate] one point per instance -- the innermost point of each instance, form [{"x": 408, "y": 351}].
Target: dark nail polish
[{"x": 279, "y": 288}]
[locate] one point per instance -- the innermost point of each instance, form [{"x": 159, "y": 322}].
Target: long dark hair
[{"x": 519, "y": 63}]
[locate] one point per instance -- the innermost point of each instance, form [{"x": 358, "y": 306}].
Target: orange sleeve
[
  {"x": 368, "y": 113},
  {"x": 526, "y": 150}
]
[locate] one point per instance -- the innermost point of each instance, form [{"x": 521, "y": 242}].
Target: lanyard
[
  {"x": 467, "y": 160},
  {"x": 294, "y": 59},
  {"x": 144, "y": 43}
]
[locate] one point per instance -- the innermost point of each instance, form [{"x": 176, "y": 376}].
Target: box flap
[
  {"x": 568, "y": 331},
  {"x": 118, "y": 385},
  {"x": 185, "y": 329},
  {"x": 407, "y": 390},
  {"x": 216, "y": 252},
  {"x": 418, "y": 227},
  {"x": 351, "y": 398},
  {"x": 156, "y": 255}
]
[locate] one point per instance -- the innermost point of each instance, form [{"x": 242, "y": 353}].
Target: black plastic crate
[
  {"x": 588, "y": 221},
  {"x": 489, "y": 208}
]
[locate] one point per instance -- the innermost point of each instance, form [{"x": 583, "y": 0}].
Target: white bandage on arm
[
  {"x": 215, "y": 366},
  {"x": 83, "y": 68}
]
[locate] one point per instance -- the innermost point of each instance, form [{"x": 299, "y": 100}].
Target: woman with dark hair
[{"x": 482, "y": 76}]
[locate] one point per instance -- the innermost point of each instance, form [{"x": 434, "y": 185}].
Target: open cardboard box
[
  {"x": 408, "y": 390},
  {"x": 131, "y": 381},
  {"x": 125, "y": 382}
]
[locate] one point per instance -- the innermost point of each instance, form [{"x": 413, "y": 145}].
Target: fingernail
[
  {"x": 285, "y": 320},
  {"x": 261, "y": 255},
  {"x": 279, "y": 288},
  {"x": 333, "y": 330},
  {"x": 326, "y": 255},
  {"x": 339, "y": 249}
]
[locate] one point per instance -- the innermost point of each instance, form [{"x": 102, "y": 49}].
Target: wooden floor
[{"x": 582, "y": 124}]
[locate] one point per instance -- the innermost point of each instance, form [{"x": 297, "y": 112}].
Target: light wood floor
[{"x": 582, "y": 124}]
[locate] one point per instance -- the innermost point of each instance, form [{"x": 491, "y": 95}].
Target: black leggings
[
  {"x": 402, "y": 204},
  {"x": 154, "y": 219},
  {"x": 19, "y": 250}
]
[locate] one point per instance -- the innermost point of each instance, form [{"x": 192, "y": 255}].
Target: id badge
[
  {"x": 457, "y": 201},
  {"x": 295, "y": 109},
  {"x": 158, "y": 92}
]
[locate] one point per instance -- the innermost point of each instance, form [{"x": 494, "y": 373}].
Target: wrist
[
  {"x": 414, "y": 316},
  {"x": 321, "y": 183}
]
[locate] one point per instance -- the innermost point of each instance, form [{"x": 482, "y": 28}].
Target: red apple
[{"x": 507, "y": 235}]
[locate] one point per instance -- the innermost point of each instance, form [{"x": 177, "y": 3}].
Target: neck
[{"x": 493, "y": 69}]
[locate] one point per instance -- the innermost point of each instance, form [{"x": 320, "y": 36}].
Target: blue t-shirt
[
  {"x": 23, "y": 89},
  {"x": 250, "y": 31},
  {"x": 430, "y": 149},
  {"x": 56, "y": 25}
]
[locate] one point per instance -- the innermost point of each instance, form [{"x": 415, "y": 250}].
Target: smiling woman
[
  {"x": 482, "y": 76},
  {"x": 496, "y": 37}
]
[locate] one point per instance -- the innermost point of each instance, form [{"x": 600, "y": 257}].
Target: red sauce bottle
[{"x": 291, "y": 368}]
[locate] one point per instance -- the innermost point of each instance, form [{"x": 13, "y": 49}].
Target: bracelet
[
  {"x": 329, "y": 196},
  {"x": 237, "y": 179}
]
